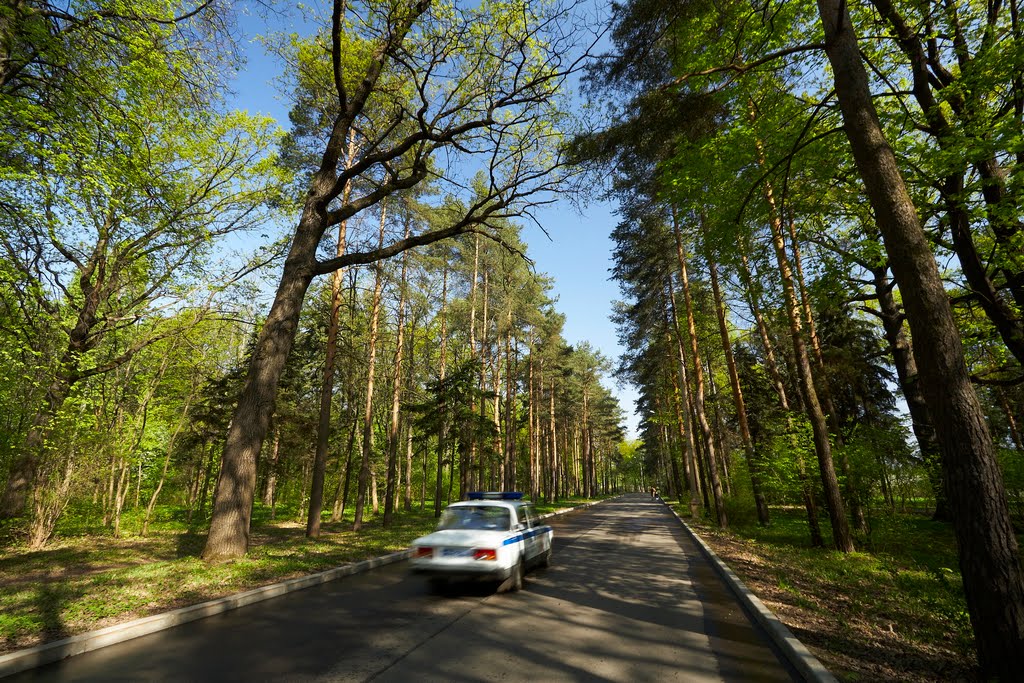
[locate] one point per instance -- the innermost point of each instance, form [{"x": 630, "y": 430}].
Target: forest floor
[{"x": 893, "y": 611}]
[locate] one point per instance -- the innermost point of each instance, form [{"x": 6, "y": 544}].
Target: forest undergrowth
[{"x": 893, "y": 610}]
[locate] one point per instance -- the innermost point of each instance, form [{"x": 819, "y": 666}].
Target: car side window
[{"x": 526, "y": 516}]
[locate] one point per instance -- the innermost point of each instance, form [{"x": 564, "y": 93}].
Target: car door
[{"x": 531, "y": 546}]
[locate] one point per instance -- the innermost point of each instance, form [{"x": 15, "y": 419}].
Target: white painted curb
[
  {"x": 30, "y": 658},
  {"x": 795, "y": 652}
]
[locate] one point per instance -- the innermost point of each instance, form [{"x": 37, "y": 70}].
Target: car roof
[{"x": 498, "y": 503}]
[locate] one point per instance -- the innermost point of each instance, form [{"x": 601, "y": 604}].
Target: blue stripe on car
[{"x": 528, "y": 534}]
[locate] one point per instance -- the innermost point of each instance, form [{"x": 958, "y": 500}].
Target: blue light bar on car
[{"x": 495, "y": 495}]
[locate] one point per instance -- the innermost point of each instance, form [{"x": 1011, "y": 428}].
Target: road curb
[
  {"x": 47, "y": 653},
  {"x": 795, "y": 652}
]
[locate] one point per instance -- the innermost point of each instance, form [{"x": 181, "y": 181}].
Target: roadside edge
[
  {"x": 47, "y": 653},
  {"x": 795, "y": 652}
]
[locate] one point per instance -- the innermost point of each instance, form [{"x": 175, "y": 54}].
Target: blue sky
[{"x": 577, "y": 254}]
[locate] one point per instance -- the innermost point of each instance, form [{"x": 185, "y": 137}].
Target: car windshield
[{"x": 489, "y": 517}]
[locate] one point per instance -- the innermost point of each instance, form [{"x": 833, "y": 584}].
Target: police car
[{"x": 492, "y": 536}]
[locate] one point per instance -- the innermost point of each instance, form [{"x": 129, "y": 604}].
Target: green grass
[
  {"x": 86, "y": 579},
  {"x": 897, "y": 600}
]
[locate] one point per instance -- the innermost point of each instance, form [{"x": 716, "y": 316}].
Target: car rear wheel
[{"x": 515, "y": 581}]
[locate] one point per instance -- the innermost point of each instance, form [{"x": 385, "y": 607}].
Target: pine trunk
[
  {"x": 819, "y": 426},
  {"x": 698, "y": 383},
  {"x": 371, "y": 367},
  {"x": 987, "y": 547},
  {"x": 396, "y": 399},
  {"x": 323, "y": 431},
  {"x": 737, "y": 395}
]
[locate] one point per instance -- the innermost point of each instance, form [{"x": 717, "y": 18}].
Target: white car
[{"x": 492, "y": 536}]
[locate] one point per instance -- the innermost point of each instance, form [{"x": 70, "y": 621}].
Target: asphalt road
[{"x": 628, "y": 598}]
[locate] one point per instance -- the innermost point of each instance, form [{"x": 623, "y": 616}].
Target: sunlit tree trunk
[
  {"x": 410, "y": 372},
  {"x": 698, "y": 383},
  {"x": 371, "y": 366},
  {"x": 511, "y": 473},
  {"x": 822, "y": 444},
  {"x": 681, "y": 403},
  {"x": 737, "y": 395},
  {"x": 396, "y": 397},
  {"x": 442, "y": 435},
  {"x": 323, "y": 432},
  {"x": 553, "y": 451},
  {"x": 534, "y": 432},
  {"x": 806, "y": 490},
  {"x": 824, "y": 390}
]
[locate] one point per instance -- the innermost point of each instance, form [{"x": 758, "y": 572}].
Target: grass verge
[{"x": 893, "y": 611}]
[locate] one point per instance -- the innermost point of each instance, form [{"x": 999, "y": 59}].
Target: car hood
[{"x": 462, "y": 537}]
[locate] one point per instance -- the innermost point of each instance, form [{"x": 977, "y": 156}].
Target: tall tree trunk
[
  {"x": 411, "y": 369},
  {"x": 341, "y": 502},
  {"x": 469, "y": 455},
  {"x": 81, "y": 340},
  {"x": 806, "y": 490},
  {"x": 371, "y": 367},
  {"x": 396, "y": 398},
  {"x": 824, "y": 390},
  {"x": 681, "y": 402},
  {"x": 232, "y": 508},
  {"x": 685, "y": 448},
  {"x": 511, "y": 475},
  {"x": 442, "y": 435},
  {"x": 323, "y": 431},
  {"x": 987, "y": 547},
  {"x": 532, "y": 428},
  {"x": 698, "y": 381},
  {"x": 906, "y": 373},
  {"x": 553, "y": 453},
  {"x": 737, "y": 395},
  {"x": 822, "y": 445}
]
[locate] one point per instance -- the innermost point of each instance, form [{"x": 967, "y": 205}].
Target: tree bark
[
  {"x": 232, "y": 509},
  {"x": 371, "y": 366},
  {"x": 442, "y": 435},
  {"x": 396, "y": 398},
  {"x": 987, "y": 547},
  {"x": 822, "y": 445},
  {"x": 323, "y": 431},
  {"x": 823, "y": 387},
  {"x": 682, "y": 407},
  {"x": 753, "y": 467},
  {"x": 698, "y": 397},
  {"x": 906, "y": 372}
]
